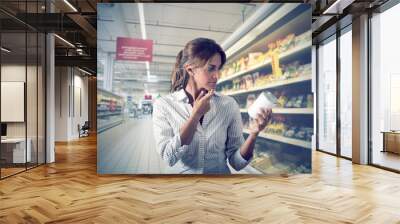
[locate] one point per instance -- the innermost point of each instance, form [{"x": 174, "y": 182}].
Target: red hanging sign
[{"x": 134, "y": 49}]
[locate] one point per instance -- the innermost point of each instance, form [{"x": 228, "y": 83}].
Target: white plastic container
[{"x": 264, "y": 100}]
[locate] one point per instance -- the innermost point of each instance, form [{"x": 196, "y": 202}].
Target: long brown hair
[{"x": 199, "y": 51}]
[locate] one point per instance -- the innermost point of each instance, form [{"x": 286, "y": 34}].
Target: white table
[{"x": 18, "y": 149}]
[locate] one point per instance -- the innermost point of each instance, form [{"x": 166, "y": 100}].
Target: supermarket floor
[
  {"x": 70, "y": 191},
  {"x": 129, "y": 148}
]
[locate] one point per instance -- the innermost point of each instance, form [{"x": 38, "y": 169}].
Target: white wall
[
  {"x": 61, "y": 103},
  {"x": 69, "y": 85},
  {"x": 33, "y": 127},
  {"x": 81, "y": 89}
]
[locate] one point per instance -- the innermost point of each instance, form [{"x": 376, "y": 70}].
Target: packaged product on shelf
[
  {"x": 309, "y": 134},
  {"x": 262, "y": 161},
  {"x": 263, "y": 79},
  {"x": 254, "y": 59},
  {"x": 304, "y": 69},
  {"x": 273, "y": 53},
  {"x": 276, "y": 128},
  {"x": 298, "y": 102},
  {"x": 222, "y": 74},
  {"x": 293, "y": 69},
  {"x": 242, "y": 65},
  {"x": 255, "y": 76},
  {"x": 301, "y": 134},
  {"x": 303, "y": 38},
  {"x": 290, "y": 132},
  {"x": 236, "y": 66},
  {"x": 310, "y": 101},
  {"x": 236, "y": 84},
  {"x": 264, "y": 100},
  {"x": 303, "y": 101},
  {"x": 231, "y": 70},
  {"x": 242, "y": 83},
  {"x": 286, "y": 43},
  {"x": 291, "y": 102},
  {"x": 248, "y": 82},
  {"x": 282, "y": 100}
]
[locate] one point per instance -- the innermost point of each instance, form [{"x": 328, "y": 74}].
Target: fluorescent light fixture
[
  {"x": 86, "y": 72},
  {"x": 143, "y": 31},
  {"x": 5, "y": 50},
  {"x": 141, "y": 18},
  {"x": 70, "y": 5},
  {"x": 334, "y": 5},
  {"x": 64, "y": 40},
  {"x": 338, "y": 6},
  {"x": 148, "y": 68}
]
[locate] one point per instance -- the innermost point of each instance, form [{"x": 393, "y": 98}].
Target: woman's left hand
[{"x": 258, "y": 124}]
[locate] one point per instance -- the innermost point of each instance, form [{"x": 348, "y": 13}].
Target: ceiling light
[
  {"x": 65, "y": 41},
  {"x": 142, "y": 22},
  {"x": 338, "y": 6},
  {"x": 5, "y": 50},
  {"x": 148, "y": 68},
  {"x": 70, "y": 5},
  {"x": 86, "y": 72},
  {"x": 143, "y": 31}
]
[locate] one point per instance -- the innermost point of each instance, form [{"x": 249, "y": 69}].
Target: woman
[{"x": 197, "y": 129}]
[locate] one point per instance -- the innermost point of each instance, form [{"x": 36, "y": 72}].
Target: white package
[{"x": 264, "y": 100}]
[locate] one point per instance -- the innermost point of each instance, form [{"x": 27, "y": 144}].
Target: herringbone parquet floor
[{"x": 70, "y": 191}]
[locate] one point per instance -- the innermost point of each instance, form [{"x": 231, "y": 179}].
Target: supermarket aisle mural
[{"x": 276, "y": 61}]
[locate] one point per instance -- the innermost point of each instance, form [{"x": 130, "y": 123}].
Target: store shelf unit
[
  {"x": 278, "y": 138},
  {"x": 278, "y": 61},
  {"x": 275, "y": 84},
  {"x": 290, "y": 53},
  {"x": 110, "y": 109},
  {"x": 287, "y": 110}
]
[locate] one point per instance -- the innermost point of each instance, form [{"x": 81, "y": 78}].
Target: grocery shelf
[
  {"x": 294, "y": 60},
  {"x": 288, "y": 111},
  {"x": 295, "y": 50},
  {"x": 291, "y": 141},
  {"x": 109, "y": 114},
  {"x": 104, "y": 125},
  {"x": 302, "y": 78}
]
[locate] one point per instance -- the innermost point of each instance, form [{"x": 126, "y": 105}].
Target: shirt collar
[{"x": 180, "y": 95}]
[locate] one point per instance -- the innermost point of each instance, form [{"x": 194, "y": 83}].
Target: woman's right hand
[{"x": 202, "y": 104}]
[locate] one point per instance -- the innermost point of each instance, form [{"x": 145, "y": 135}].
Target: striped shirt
[{"x": 216, "y": 141}]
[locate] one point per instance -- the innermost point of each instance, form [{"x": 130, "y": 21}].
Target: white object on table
[{"x": 19, "y": 149}]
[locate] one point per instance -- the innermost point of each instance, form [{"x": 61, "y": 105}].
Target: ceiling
[
  {"x": 170, "y": 26},
  {"x": 75, "y": 23}
]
